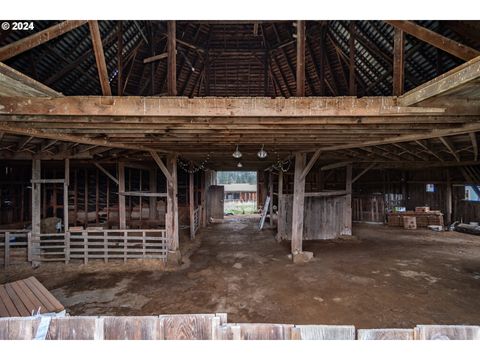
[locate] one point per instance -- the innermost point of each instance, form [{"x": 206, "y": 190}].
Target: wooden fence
[
  {"x": 22, "y": 246},
  {"x": 211, "y": 327},
  {"x": 14, "y": 244}
]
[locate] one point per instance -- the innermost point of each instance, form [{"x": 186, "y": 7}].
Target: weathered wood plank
[
  {"x": 300, "y": 64},
  {"x": 132, "y": 328},
  {"x": 76, "y": 328},
  {"x": 100, "y": 57},
  {"x": 187, "y": 327},
  {"x": 323, "y": 332},
  {"x": 265, "y": 331},
  {"x": 211, "y": 106},
  {"x": 385, "y": 334},
  {"x": 447, "y": 332}
]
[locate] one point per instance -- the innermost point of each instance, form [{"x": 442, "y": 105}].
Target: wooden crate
[{"x": 409, "y": 222}]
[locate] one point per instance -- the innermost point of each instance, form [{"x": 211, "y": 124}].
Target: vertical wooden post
[
  {"x": 153, "y": 188},
  {"x": 191, "y": 204},
  {"x": 404, "y": 188},
  {"x": 298, "y": 204},
  {"x": 449, "y": 198},
  {"x": 36, "y": 199},
  {"x": 85, "y": 198},
  {"x": 300, "y": 58},
  {"x": 66, "y": 184},
  {"x": 121, "y": 198},
  {"x": 6, "y": 262},
  {"x": 100, "y": 57},
  {"x": 204, "y": 198},
  {"x": 172, "y": 210},
  {"x": 270, "y": 187},
  {"x": 398, "y": 62},
  {"x": 172, "y": 59},
  {"x": 351, "y": 41},
  {"x": 120, "y": 58},
  {"x": 347, "y": 214},
  {"x": 280, "y": 222},
  {"x": 97, "y": 198}
]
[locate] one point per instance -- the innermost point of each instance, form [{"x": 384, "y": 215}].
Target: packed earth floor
[{"x": 386, "y": 277}]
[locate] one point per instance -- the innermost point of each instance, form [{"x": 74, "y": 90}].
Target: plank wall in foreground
[{"x": 210, "y": 327}]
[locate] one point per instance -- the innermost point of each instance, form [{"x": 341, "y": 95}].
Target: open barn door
[{"x": 215, "y": 198}]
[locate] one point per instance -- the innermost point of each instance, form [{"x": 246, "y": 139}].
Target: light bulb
[
  {"x": 237, "y": 154},
  {"x": 262, "y": 154},
  {"x": 239, "y": 165}
]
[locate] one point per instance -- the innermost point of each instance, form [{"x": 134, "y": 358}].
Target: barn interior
[{"x": 363, "y": 134}]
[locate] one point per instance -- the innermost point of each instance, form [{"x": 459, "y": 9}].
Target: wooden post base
[
  {"x": 302, "y": 257},
  {"x": 174, "y": 257}
]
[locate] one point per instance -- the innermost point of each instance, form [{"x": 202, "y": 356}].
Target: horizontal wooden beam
[
  {"x": 443, "y": 84},
  {"x": 326, "y": 193},
  {"x": 335, "y": 166},
  {"x": 8, "y": 128},
  {"x": 211, "y": 106},
  {"x": 155, "y": 58},
  {"x": 439, "y": 41},
  {"x": 142, "y": 194},
  {"x": 435, "y": 133},
  {"x": 29, "y": 42}
]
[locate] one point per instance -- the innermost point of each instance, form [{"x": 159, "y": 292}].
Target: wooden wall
[{"x": 323, "y": 217}]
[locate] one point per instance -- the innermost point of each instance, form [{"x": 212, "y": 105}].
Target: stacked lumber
[
  {"x": 25, "y": 297},
  {"x": 423, "y": 218}
]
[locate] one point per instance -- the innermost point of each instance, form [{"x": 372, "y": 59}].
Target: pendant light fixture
[
  {"x": 239, "y": 165},
  {"x": 262, "y": 154},
  {"x": 237, "y": 154}
]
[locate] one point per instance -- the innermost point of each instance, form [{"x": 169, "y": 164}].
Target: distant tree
[{"x": 237, "y": 177}]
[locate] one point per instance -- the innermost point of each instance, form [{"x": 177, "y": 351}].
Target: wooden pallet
[{"x": 27, "y": 296}]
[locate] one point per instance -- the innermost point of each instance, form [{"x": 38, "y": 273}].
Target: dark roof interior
[{"x": 236, "y": 53}]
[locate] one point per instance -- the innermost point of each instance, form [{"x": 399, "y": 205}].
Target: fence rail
[
  {"x": 20, "y": 246},
  {"x": 14, "y": 244}
]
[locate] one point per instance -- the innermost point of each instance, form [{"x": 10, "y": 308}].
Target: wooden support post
[
  {"x": 300, "y": 58},
  {"x": 204, "y": 198},
  {"x": 153, "y": 188},
  {"x": 85, "y": 199},
  {"x": 404, "y": 188},
  {"x": 120, "y": 58},
  {"x": 172, "y": 211},
  {"x": 100, "y": 57},
  {"x": 448, "y": 196},
  {"x": 351, "y": 64},
  {"x": 298, "y": 205},
  {"x": 36, "y": 198},
  {"x": 6, "y": 262},
  {"x": 398, "y": 62},
  {"x": 280, "y": 224},
  {"x": 172, "y": 59},
  {"x": 270, "y": 188},
  {"x": 191, "y": 204},
  {"x": 347, "y": 214},
  {"x": 121, "y": 198},
  {"x": 66, "y": 184}
]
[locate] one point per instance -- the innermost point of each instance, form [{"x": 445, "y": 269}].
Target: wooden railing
[
  {"x": 117, "y": 244},
  {"x": 14, "y": 244},
  {"x": 48, "y": 247}
]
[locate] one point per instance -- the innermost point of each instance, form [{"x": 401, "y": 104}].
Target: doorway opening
[{"x": 240, "y": 192}]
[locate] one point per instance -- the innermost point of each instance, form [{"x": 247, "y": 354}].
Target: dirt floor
[{"x": 388, "y": 278}]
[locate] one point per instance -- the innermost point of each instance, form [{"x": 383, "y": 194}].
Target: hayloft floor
[{"x": 388, "y": 278}]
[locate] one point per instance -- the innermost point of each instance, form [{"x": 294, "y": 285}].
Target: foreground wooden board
[
  {"x": 323, "y": 332},
  {"x": 385, "y": 334},
  {"x": 447, "y": 332}
]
